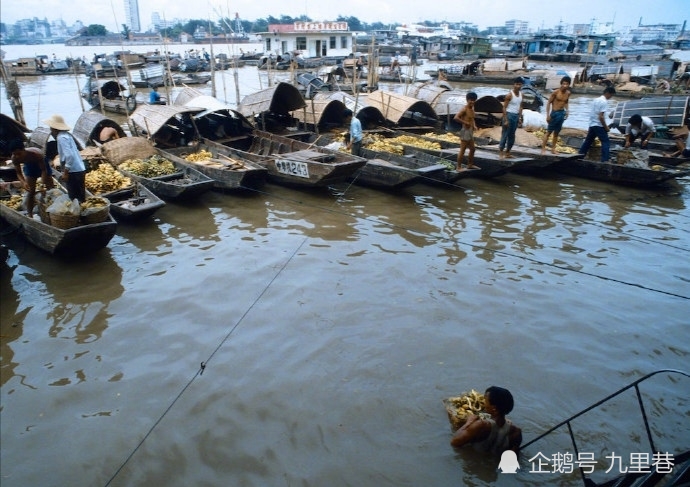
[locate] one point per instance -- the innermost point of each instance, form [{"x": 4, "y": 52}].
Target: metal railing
[{"x": 634, "y": 384}]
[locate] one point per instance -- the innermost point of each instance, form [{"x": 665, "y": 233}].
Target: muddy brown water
[{"x": 332, "y": 323}]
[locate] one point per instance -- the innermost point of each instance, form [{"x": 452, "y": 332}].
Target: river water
[{"x": 331, "y": 325}]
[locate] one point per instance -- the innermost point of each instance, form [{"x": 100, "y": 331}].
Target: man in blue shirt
[
  {"x": 355, "y": 143},
  {"x": 154, "y": 97},
  {"x": 71, "y": 164}
]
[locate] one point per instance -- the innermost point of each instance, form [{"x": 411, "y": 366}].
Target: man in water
[{"x": 496, "y": 434}]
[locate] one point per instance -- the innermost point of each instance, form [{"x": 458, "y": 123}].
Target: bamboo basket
[
  {"x": 43, "y": 213},
  {"x": 64, "y": 221},
  {"x": 96, "y": 216}
]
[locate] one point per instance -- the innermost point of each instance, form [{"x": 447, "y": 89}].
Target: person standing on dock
[
  {"x": 466, "y": 117},
  {"x": 556, "y": 113},
  {"x": 512, "y": 111},
  {"x": 598, "y": 126}
]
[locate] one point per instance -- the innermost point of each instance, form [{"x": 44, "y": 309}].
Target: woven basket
[
  {"x": 43, "y": 213},
  {"x": 64, "y": 221},
  {"x": 96, "y": 216},
  {"x": 119, "y": 150}
]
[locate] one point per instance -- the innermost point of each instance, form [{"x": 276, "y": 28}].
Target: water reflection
[{"x": 68, "y": 294}]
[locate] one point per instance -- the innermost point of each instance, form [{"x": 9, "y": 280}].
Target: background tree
[
  {"x": 126, "y": 31},
  {"x": 95, "y": 30}
]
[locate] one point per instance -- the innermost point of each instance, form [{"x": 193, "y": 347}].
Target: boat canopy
[
  {"x": 149, "y": 119},
  {"x": 280, "y": 99},
  {"x": 89, "y": 125},
  {"x": 324, "y": 109},
  {"x": 10, "y": 129},
  {"x": 402, "y": 110}
]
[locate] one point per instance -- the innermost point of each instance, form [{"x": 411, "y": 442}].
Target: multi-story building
[{"x": 132, "y": 15}]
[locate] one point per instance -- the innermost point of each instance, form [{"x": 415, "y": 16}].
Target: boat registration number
[{"x": 292, "y": 168}]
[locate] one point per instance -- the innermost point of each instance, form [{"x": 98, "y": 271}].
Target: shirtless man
[
  {"x": 556, "y": 113},
  {"x": 107, "y": 134},
  {"x": 466, "y": 117},
  {"x": 494, "y": 435},
  {"x": 35, "y": 166}
]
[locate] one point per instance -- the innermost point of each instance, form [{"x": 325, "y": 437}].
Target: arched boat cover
[
  {"x": 89, "y": 125},
  {"x": 400, "y": 109},
  {"x": 326, "y": 108},
  {"x": 280, "y": 99},
  {"x": 190, "y": 97},
  {"x": 149, "y": 119},
  {"x": 10, "y": 129}
]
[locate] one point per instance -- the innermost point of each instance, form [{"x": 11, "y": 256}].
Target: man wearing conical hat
[{"x": 71, "y": 164}]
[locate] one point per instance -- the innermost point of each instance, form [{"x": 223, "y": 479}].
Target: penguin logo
[{"x": 509, "y": 462}]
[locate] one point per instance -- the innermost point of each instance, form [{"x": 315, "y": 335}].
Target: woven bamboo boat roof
[
  {"x": 394, "y": 106},
  {"x": 11, "y": 129},
  {"x": 89, "y": 124},
  {"x": 282, "y": 99},
  {"x": 324, "y": 107},
  {"x": 151, "y": 118}
]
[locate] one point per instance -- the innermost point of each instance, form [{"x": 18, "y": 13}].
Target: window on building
[
  {"x": 331, "y": 44},
  {"x": 301, "y": 43},
  {"x": 343, "y": 42}
]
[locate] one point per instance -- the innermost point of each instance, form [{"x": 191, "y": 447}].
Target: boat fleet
[{"x": 197, "y": 143}]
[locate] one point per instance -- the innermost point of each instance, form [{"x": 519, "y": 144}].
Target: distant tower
[{"x": 132, "y": 15}]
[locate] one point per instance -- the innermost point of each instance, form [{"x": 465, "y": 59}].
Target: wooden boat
[
  {"x": 489, "y": 163},
  {"x": 611, "y": 172},
  {"x": 297, "y": 163},
  {"x": 537, "y": 161},
  {"x": 110, "y": 95},
  {"x": 184, "y": 184},
  {"x": 388, "y": 170},
  {"x": 191, "y": 79},
  {"x": 228, "y": 169},
  {"x": 78, "y": 240},
  {"x": 133, "y": 203}
]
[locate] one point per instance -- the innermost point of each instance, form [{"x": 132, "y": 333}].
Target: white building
[{"x": 309, "y": 39}]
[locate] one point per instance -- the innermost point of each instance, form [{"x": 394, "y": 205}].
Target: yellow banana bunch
[
  {"x": 15, "y": 202},
  {"x": 149, "y": 168},
  {"x": 202, "y": 155},
  {"x": 460, "y": 407},
  {"x": 105, "y": 179},
  {"x": 94, "y": 202}
]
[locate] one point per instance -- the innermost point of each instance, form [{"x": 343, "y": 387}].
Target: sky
[{"x": 483, "y": 13}]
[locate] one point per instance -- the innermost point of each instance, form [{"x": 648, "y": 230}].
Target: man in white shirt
[
  {"x": 639, "y": 126},
  {"x": 598, "y": 126}
]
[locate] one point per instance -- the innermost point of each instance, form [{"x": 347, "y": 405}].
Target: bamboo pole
[{"x": 76, "y": 80}]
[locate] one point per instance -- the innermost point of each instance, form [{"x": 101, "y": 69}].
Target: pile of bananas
[
  {"x": 382, "y": 144},
  {"x": 151, "y": 167},
  {"x": 94, "y": 202},
  {"x": 15, "y": 202},
  {"x": 416, "y": 142},
  {"x": 448, "y": 137},
  {"x": 202, "y": 155},
  {"x": 564, "y": 149},
  {"x": 105, "y": 179},
  {"x": 460, "y": 407}
]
